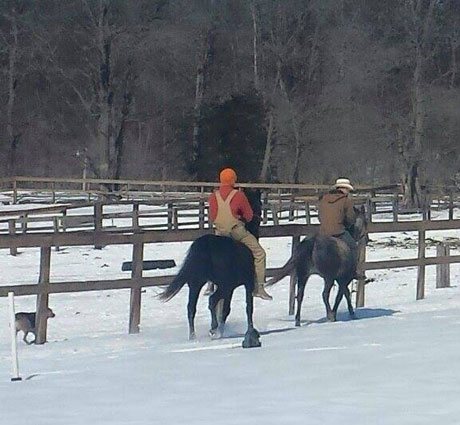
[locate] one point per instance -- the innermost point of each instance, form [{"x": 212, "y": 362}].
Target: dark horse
[
  {"x": 226, "y": 263},
  {"x": 332, "y": 259}
]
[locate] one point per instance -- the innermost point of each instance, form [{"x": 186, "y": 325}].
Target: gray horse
[{"x": 332, "y": 259}]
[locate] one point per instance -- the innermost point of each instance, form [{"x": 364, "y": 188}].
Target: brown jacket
[{"x": 335, "y": 213}]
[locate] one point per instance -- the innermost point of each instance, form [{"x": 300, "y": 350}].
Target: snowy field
[{"x": 398, "y": 363}]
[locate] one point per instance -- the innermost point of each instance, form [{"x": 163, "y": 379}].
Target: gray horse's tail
[
  {"x": 301, "y": 254},
  {"x": 287, "y": 269}
]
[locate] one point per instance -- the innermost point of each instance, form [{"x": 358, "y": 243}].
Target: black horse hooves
[
  {"x": 252, "y": 339},
  {"x": 215, "y": 333},
  {"x": 297, "y": 323}
]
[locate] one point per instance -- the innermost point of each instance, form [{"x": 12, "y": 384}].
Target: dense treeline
[{"x": 285, "y": 90}]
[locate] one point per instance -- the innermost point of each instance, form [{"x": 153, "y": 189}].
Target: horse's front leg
[
  {"x": 328, "y": 284},
  {"x": 194, "y": 292}
]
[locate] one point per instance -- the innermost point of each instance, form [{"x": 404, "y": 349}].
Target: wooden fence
[{"x": 138, "y": 239}]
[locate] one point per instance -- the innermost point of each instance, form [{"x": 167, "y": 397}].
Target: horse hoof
[
  {"x": 331, "y": 318},
  {"x": 297, "y": 323},
  {"x": 192, "y": 337},
  {"x": 215, "y": 334},
  {"x": 352, "y": 316},
  {"x": 251, "y": 339}
]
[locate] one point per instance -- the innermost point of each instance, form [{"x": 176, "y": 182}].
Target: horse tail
[
  {"x": 283, "y": 271},
  {"x": 180, "y": 280},
  {"x": 301, "y": 254}
]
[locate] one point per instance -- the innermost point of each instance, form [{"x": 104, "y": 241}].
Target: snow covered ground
[{"x": 396, "y": 364}]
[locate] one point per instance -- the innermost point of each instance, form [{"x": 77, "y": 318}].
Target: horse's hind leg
[
  {"x": 193, "y": 294},
  {"x": 328, "y": 284},
  {"x": 301, "y": 282},
  {"x": 346, "y": 292},
  {"x": 338, "y": 299},
  {"x": 225, "y": 311},
  {"x": 213, "y": 300}
]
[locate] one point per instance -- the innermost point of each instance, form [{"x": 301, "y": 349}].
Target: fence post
[
  {"x": 443, "y": 270},
  {"x": 395, "y": 203},
  {"x": 307, "y": 213},
  {"x": 360, "y": 270},
  {"x": 56, "y": 229},
  {"x": 421, "y": 267},
  {"x": 265, "y": 208},
  {"x": 12, "y": 231},
  {"x": 41, "y": 324},
  {"x": 170, "y": 216},
  {"x": 451, "y": 206},
  {"x": 135, "y": 298},
  {"x": 201, "y": 215},
  {"x": 293, "y": 280},
  {"x": 98, "y": 209},
  {"x": 15, "y": 191},
  {"x": 23, "y": 220},
  {"x": 135, "y": 222}
]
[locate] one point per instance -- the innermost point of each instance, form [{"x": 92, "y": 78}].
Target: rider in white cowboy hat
[
  {"x": 343, "y": 184},
  {"x": 336, "y": 213}
]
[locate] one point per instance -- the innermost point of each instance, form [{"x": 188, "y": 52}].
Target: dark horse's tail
[
  {"x": 181, "y": 279},
  {"x": 301, "y": 254}
]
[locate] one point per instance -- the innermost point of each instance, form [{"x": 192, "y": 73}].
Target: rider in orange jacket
[{"x": 229, "y": 209}]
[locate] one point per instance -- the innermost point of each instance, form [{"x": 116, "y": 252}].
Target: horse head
[{"x": 359, "y": 229}]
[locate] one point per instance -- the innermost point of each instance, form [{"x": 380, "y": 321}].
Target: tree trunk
[
  {"x": 254, "y": 46},
  {"x": 13, "y": 139},
  {"x": 200, "y": 86},
  {"x": 268, "y": 149},
  {"x": 296, "y": 132}
]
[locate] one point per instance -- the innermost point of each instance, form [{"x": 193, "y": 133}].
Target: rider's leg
[{"x": 240, "y": 234}]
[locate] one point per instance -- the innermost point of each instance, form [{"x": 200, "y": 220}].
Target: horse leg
[
  {"x": 193, "y": 294},
  {"x": 301, "y": 282},
  {"x": 338, "y": 299},
  {"x": 213, "y": 300},
  {"x": 225, "y": 312},
  {"x": 346, "y": 292},
  {"x": 328, "y": 284},
  {"x": 251, "y": 339}
]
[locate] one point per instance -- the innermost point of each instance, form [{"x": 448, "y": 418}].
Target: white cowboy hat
[{"x": 343, "y": 183}]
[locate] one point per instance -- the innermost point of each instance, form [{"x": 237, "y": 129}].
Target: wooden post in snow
[
  {"x": 98, "y": 210},
  {"x": 293, "y": 280},
  {"x": 360, "y": 269},
  {"x": 12, "y": 231},
  {"x": 135, "y": 297},
  {"x": 421, "y": 267},
  {"x": 443, "y": 270},
  {"x": 41, "y": 324}
]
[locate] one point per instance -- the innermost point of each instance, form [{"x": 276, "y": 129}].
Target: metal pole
[{"x": 14, "y": 346}]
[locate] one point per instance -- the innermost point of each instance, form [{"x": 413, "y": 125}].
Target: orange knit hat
[{"x": 228, "y": 176}]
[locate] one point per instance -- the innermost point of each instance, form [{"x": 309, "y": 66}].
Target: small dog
[{"x": 25, "y": 322}]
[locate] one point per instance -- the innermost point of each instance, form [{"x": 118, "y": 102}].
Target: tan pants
[{"x": 240, "y": 234}]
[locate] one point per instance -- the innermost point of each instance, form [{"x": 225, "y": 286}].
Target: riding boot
[{"x": 260, "y": 292}]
